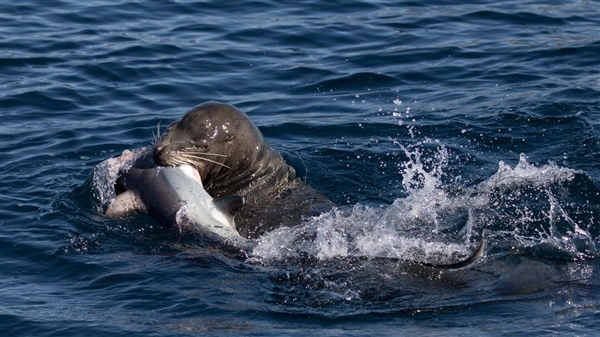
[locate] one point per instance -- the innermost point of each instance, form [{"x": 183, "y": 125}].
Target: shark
[{"x": 176, "y": 195}]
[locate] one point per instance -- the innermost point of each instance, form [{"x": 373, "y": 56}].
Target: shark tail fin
[{"x": 466, "y": 262}]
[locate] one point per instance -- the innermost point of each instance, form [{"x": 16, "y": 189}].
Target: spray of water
[{"x": 516, "y": 207}]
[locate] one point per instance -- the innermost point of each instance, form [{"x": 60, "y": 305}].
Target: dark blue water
[{"x": 431, "y": 125}]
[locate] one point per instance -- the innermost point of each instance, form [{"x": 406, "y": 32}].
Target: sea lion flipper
[
  {"x": 229, "y": 204},
  {"x": 125, "y": 204}
]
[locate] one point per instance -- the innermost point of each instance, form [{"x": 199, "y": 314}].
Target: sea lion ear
[
  {"x": 229, "y": 204},
  {"x": 229, "y": 137}
]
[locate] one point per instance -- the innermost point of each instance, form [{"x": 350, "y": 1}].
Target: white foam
[{"x": 526, "y": 173}]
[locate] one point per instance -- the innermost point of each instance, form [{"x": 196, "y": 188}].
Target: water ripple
[{"x": 351, "y": 94}]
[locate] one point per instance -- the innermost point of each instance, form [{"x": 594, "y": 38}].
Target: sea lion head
[{"x": 221, "y": 142}]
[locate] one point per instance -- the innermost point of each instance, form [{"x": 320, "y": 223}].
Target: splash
[
  {"x": 539, "y": 208},
  {"x": 363, "y": 231},
  {"x": 520, "y": 207},
  {"x": 526, "y": 173},
  {"x": 422, "y": 179},
  {"x": 105, "y": 175}
]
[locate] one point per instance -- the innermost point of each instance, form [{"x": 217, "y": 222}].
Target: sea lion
[{"x": 233, "y": 158}]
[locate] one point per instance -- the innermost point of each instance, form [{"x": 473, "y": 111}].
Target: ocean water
[{"x": 432, "y": 125}]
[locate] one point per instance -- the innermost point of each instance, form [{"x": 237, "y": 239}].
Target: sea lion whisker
[
  {"x": 186, "y": 155},
  {"x": 176, "y": 161},
  {"x": 190, "y": 162},
  {"x": 156, "y": 137},
  {"x": 196, "y": 164},
  {"x": 206, "y": 153}
]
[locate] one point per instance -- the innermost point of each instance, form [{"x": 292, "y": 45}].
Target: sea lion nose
[{"x": 159, "y": 158}]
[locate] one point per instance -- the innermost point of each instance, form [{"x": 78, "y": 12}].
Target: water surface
[{"x": 430, "y": 125}]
